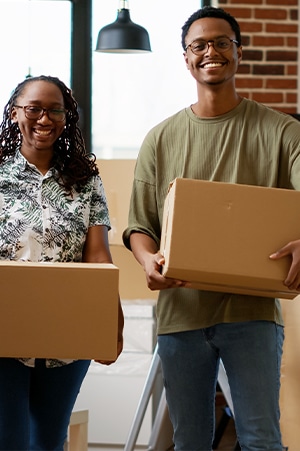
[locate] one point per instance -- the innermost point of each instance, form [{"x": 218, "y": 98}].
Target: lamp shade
[{"x": 123, "y": 36}]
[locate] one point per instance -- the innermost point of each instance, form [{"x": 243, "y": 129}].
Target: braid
[{"x": 70, "y": 158}]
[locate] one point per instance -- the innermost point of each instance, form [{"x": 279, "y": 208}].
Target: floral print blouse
[{"x": 39, "y": 222}]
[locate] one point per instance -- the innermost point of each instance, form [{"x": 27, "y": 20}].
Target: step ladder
[{"x": 161, "y": 434}]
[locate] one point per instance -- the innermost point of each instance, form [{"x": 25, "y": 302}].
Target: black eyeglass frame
[
  {"x": 48, "y": 111},
  {"x": 212, "y": 42}
]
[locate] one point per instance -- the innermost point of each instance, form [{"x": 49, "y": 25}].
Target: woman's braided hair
[{"x": 70, "y": 158}]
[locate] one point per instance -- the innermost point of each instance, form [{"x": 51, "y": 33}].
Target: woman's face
[{"x": 41, "y": 133}]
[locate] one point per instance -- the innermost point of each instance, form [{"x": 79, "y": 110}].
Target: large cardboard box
[
  {"x": 58, "y": 310},
  {"x": 219, "y": 236},
  {"x": 132, "y": 278},
  {"x": 290, "y": 375},
  {"x": 117, "y": 178}
]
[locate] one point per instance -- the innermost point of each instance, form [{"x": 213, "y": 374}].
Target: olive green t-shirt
[{"x": 253, "y": 145}]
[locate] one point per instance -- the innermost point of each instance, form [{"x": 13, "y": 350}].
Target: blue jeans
[
  {"x": 251, "y": 353},
  {"x": 36, "y": 404}
]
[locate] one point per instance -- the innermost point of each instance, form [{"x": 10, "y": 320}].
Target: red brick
[
  {"x": 281, "y": 83},
  {"x": 280, "y": 2},
  {"x": 267, "y": 41},
  {"x": 292, "y": 41},
  {"x": 245, "y": 13},
  {"x": 249, "y": 83},
  {"x": 246, "y": 2},
  {"x": 251, "y": 27},
  {"x": 291, "y": 69},
  {"x": 281, "y": 28},
  {"x": 252, "y": 55},
  {"x": 294, "y": 14},
  {"x": 291, "y": 97},
  {"x": 277, "y": 55},
  {"x": 270, "y": 97},
  {"x": 245, "y": 40},
  {"x": 274, "y": 14},
  {"x": 268, "y": 69}
]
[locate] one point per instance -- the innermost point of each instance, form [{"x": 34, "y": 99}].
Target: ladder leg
[
  {"x": 143, "y": 403},
  {"x": 161, "y": 438}
]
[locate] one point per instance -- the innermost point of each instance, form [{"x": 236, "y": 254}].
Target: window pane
[
  {"x": 36, "y": 39},
  {"x": 132, "y": 93}
]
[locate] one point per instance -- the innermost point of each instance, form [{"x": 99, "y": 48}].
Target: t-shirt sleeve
[{"x": 143, "y": 214}]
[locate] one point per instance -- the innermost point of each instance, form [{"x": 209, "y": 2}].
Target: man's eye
[
  {"x": 199, "y": 46},
  {"x": 222, "y": 43}
]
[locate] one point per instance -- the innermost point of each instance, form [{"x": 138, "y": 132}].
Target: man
[{"x": 222, "y": 137}]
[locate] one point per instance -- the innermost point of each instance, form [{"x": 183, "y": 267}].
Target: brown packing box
[
  {"x": 58, "y": 310},
  {"x": 219, "y": 236},
  {"x": 132, "y": 278},
  {"x": 290, "y": 372},
  {"x": 117, "y": 178}
]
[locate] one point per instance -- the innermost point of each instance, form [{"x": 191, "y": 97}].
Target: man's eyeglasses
[
  {"x": 199, "y": 46},
  {"x": 36, "y": 112}
]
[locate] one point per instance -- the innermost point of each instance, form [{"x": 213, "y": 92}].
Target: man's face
[{"x": 211, "y": 66}]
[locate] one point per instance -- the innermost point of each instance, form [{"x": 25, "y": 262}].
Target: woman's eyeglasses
[{"x": 36, "y": 113}]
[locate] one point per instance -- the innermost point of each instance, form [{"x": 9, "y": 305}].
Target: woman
[{"x": 52, "y": 208}]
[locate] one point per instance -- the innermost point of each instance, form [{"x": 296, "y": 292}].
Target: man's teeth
[{"x": 213, "y": 65}]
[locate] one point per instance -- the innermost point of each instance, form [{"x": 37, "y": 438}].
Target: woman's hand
[
  {"x": 96, "y": 250},
  {"x": 120, "y": 337}
]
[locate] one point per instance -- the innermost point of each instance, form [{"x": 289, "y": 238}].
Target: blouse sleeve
[{"x": 99, "y": 214}]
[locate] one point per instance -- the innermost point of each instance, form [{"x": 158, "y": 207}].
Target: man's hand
[
  {"x": 153, "y": 264},
  {"x": 292, "y": 249},
  {"x": 147, "y": 254}
]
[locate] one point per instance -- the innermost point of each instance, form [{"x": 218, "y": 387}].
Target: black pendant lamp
[{"x": 123, "y": 35}]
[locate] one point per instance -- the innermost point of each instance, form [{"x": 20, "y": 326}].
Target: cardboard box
[
  {"x": 290, "y": 375},
  {"x": 219, "y": 236},
  {"x": 132, "y": 278},
  {"x": 117, "y": 178},
  {"x": 58, "y": 310}
]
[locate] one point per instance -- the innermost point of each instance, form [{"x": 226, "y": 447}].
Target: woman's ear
[{"x": 13, "y": 115}]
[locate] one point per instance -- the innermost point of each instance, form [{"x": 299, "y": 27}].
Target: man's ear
[
  {"x": 240, "y": 53},
  {"x": 186, "y": 60}
]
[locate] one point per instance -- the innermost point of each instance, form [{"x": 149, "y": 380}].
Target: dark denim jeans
[
  {"x": 36, "y": 404},
  {"x": 251, "y": 353}
]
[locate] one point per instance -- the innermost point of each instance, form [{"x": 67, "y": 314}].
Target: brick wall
[{"x": 269, "y": 69}]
